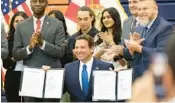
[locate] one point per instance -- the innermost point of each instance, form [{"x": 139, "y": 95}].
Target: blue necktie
[
  {"x": 144, "y": 32},
  {"x": 84, "y": 76}
]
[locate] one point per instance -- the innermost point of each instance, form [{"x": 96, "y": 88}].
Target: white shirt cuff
[
  {"x": 28, "y": 51},
  {"x": 43, "y": 46}
]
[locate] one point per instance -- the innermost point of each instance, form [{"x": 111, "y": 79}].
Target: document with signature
[
  {"x": 38, "y": 83},
  {"x": 124, "y": 86},
  {"x": 104, "y": 85},
  {"x": 54, "y": 84}
]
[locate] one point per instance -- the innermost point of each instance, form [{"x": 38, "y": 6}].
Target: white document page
[
  {"x": 124, "y": 84},
  {"x": 54, "y": 84},
  {"x": 19, "y": 66},
  {"x": 32, "y": 83},
  {"x": 104, "y": 85}
]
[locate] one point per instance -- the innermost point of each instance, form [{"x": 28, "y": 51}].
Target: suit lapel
[
  {"x": 79, "y": 90},
  {"x": 94, "y": 67},
  {"x": 31, "y": 25},
  {"x": 152, "y": 28},
  {"x": 46, "y": 25}
]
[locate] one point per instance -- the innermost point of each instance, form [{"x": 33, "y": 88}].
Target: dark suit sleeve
[
  {"x": 4, "y": 44},
  {"x": 19, "y": 51},
  {"x": 161, "y": 41},
  {"x": 127, "y": 55},
  {"x": 57, "y": 49}
]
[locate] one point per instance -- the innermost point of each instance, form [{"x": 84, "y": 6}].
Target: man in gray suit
[
  {"x": 130, "y": 24},
  {"x": 4, "y": 45},
  {"x": 39, "y": 40},
  {"x": 129, "y": 27}
]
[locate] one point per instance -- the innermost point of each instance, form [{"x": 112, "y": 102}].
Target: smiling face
[
  {"x": 107, "y": 20},
  {"x": 133, "y": 7},
  {"x": 38, "y": 7},
  {"x": 84, "y": 20},
  {"x": 147, "y": 11},
  {"x": 17, "y": 20},
  {"x": 83, "y": 51}
]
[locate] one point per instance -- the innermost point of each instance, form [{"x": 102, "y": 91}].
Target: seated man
[{"x": 78, "y": 74}]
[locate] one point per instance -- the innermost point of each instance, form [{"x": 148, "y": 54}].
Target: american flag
[{"x": 10, "y": 7}]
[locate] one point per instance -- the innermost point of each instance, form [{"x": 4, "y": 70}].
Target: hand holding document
[
  {"x": 104, "y": 85},
  {"x": 42, "y": 84}
]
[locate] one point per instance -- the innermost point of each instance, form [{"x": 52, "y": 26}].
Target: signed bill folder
[
  {"x": 42, "y": 84},
  {"x": 111, "y": 85}
]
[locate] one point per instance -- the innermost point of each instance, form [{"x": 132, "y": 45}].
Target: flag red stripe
[
  {"x": 72, "y": 11},
  {"x": 15, "y": 10},
  {"x": 87, "y": 2},
  {"x": 7, "y": 18},
  {"x": 26, "y": 9},
  {"x": 96, "y": 2}
]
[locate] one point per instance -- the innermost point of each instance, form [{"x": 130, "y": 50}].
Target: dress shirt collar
[
  {"x": 150, "y": 24},
  {"x": 41, "y": 19},
  {"x": 88, "y": 64}
]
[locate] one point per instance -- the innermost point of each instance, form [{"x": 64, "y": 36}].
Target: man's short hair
[{"x": 86, "y": 37}]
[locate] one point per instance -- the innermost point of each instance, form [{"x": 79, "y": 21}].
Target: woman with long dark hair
[
  {"x": 109, "y": 36},
  {"x": 13, "y": 74}
]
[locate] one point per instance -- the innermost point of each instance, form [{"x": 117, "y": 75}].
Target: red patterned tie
[{"x": 38, "y": 22}]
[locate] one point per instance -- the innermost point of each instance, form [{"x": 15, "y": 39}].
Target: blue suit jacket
[
  {"x": 72, "y": 85},
  {"x": 155, "y": 41}
]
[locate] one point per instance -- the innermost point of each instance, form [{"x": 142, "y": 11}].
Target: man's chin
[{"x": 144, "y": 22}]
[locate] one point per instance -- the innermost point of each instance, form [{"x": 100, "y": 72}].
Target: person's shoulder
[
  {"x": 70, "y": 65},
  {"x": 104, "y": 65},
  {"x": 53, "y": 20},
  {"x": 164, "y": 22},
  {"x": 100, "y": 62},
  {"x": 75, "y": 34},
  {"x": 128, "y": 19}
]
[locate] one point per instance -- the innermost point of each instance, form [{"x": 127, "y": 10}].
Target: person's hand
[
  {"x": 45, "y": 67},
  {"x": 118, "y": 49},
  {"x": 108, "y": 55},
  {"x": 107, "y": 38},
  {"x": 33, "y": 42},
  {"x": 133, "y": 46},
  {"x": 136, "y": 37},
  {"x": 39, "y": 37},
  {"x": 143, "y": 89}
]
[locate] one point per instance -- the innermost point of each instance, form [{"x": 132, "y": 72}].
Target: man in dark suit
[
  {"x": 86, "y": 22},
  {"x": 78, "y": 74},
  {"x": 39, "y": 40},
  {"x": 155, "y": 31}
]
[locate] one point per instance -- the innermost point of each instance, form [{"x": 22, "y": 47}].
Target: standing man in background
[
  {"x": 155, "y": 32},
  {"x": 86, "y": 22},
  {"x": 129, "y": 25},
  {"x": 39, "y": 41},
  {"x": 152, "y": 37}
]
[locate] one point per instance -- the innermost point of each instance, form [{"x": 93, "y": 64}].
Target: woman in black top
[{"x": 12, "y": 77}]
